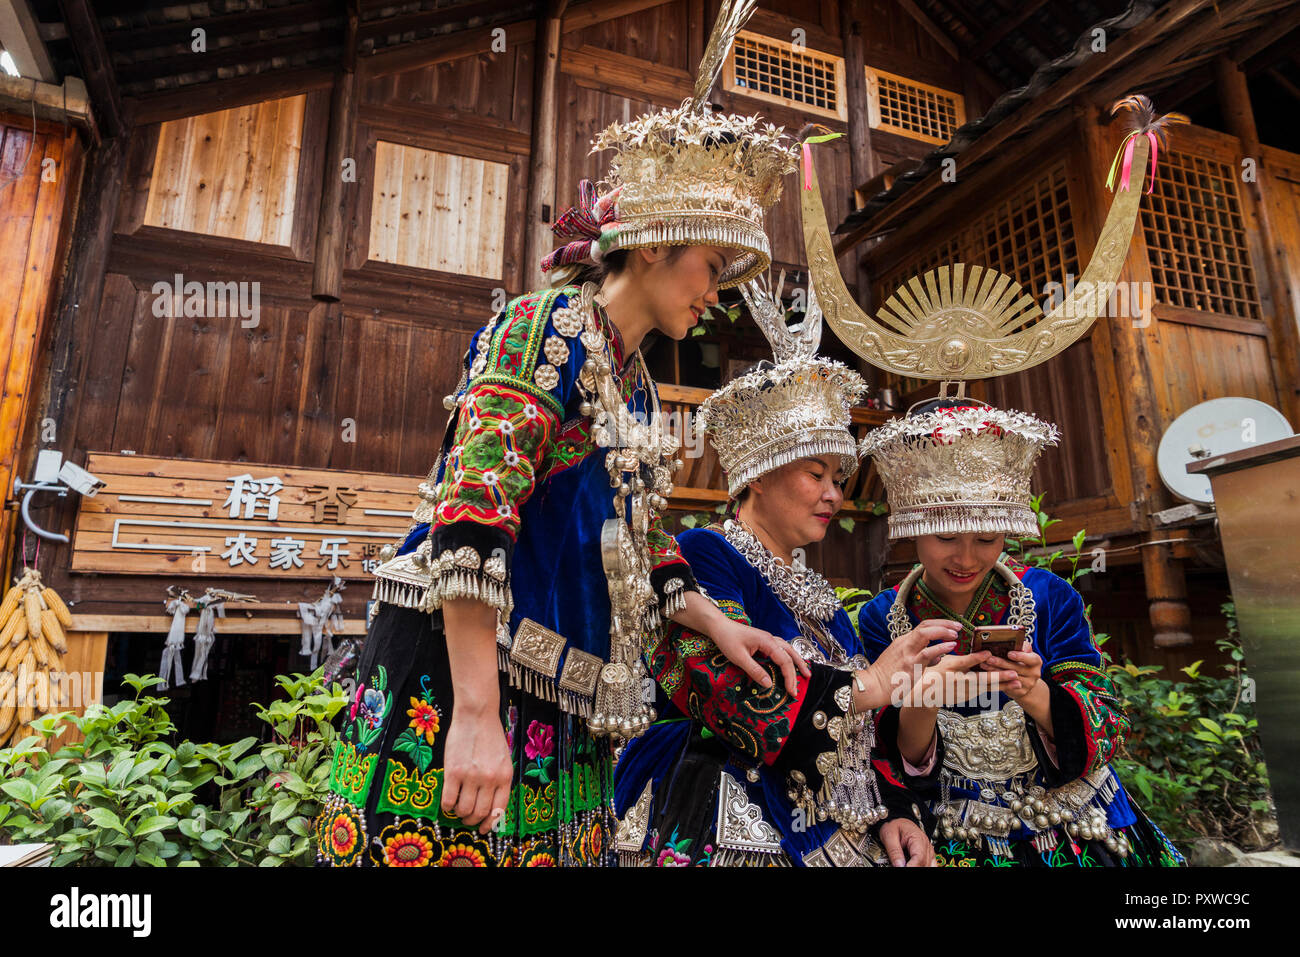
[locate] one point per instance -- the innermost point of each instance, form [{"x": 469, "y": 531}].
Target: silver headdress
[
  {"x": 794, "y": 409},
  {"x": 686, "y": 176},
  {"x": 960, "y": 470}
]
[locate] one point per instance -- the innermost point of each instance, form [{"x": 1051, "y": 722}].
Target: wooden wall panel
[
  {"x": 894, "y": 37},
  {"x": 1206, "y": 364},
  {"x": 585, "y": 113},
  {"x": 657, "y": 35},
  {"x": 1063, "y": 390},
  {"x": 278, "y": 393},
  {"x": 481, "y": 86},
  {"x": 232, "y": 173}
]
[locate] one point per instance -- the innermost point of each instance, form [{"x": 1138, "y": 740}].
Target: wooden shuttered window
[
  {"x": 438, "y": 211},
  {"x": 232, "y": 173},
  {"x": 916, "y": 110},
  {"x": 777, "y": 71}
]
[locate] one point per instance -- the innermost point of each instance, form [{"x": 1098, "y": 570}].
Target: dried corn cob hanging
[{"x": 33, "y": 639}]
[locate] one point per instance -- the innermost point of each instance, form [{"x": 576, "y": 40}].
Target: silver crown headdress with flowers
[
  {"x": 793, "y": 409},
  {"x": 957, "y": 470},
  {"x": 686, "y": 176}
]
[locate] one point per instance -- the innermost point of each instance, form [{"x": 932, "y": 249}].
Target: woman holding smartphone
[{"x": 1026, "y": 778}]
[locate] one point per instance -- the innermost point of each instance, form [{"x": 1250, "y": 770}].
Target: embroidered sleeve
[
  {"x": 1088, "y": 719},
  {"x": 788, "y": 732},
  {"x": 670, "y": 575},
  {"x": 507, "y": 417},
  {"x": 1089, "y": 722}
]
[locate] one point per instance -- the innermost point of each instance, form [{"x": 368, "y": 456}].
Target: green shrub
[
  {"x": 124, "y": 795},
  {"x": 1194, "y": 754}
]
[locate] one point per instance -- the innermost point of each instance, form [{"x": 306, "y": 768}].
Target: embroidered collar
[
  {"x": 988, "y": 606},
  {"x": 1006, "y": 602}
]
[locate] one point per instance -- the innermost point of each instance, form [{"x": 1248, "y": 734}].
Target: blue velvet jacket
[
  {"x": 768, "y": 733},
  {"x": 1088, "y": 721},
  {"x": 522, "y": 478}
]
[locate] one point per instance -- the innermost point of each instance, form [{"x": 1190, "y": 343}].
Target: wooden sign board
[{"x": 191, "y": 517}]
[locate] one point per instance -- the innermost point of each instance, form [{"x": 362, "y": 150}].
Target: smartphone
[{"x": 999, "y": 639}]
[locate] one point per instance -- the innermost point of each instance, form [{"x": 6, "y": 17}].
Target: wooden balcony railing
[{"x": 700, "y": 483}]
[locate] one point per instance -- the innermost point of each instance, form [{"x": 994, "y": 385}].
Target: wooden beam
[
  {"x": 930, "y": 27},
  {"x": 225, "y": 94},
  {"x": 862, "y": 163},
  {"x": 862, "y": 159},
  {"x": 234, "y": 625},
  {"x": 240, "y": 54},
  {"x": 180, "y": 32},
  {"x": 88, "y": 42},
  {"x": 1234, "y": 100},
  {"x": 444, "y": 49},
  {"x": 626, "y": 75},
  {"x": 1277, "y": 77},
  {"x": 1277, "y": 29},
  {"x": 331, "y": 228},
  {"x": 73, "y": 336},
  {"x": 20, "y": 36},
  {"x": 67, "y": 103},
  {"x": 448, "y": 16},
  {"x": 989, "y": 39},
  {"x": 1172, "y": 97},
  {"x": 540, "y": 212},
  {"x": 583, "y": 15},
  {"x": 697, "y": 30},
  {"x": 1071, "y": 84},
  {"x": 1172, "y": 48},
  {"x": 1272, "y": 43}
]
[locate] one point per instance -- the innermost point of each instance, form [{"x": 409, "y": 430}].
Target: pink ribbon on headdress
[
  {"x": 1126, "y": 164},
  {"x": 586, "y": 222},
  {"x": 807, "y": 153}
]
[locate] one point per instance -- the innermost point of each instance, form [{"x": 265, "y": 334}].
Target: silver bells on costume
[
  {"x": 960, "y": 470},
  {"x": 773, "y": 416}
]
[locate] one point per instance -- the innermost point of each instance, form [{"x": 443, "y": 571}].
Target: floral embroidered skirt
[
  {"x": 1148, "y": 847},
  {"x": 385, "y": 781}
]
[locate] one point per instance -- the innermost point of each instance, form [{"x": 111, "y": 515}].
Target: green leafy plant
[
  {"x": 1194, "y": 754},
  {"x": 126, "y": 795},
  {"x": 713, "y": 317}
]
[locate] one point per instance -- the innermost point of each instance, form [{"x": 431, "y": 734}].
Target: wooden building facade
[{"x": 274, "y": 251}]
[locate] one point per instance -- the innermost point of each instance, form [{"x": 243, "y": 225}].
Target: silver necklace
[{"x": 801, "y": 589}]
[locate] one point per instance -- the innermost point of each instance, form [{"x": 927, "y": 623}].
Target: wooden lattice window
[
  {"x": 1027, "y": 235},
  {"x": 773, "y": 70},
  {"x": 915, "y": 110},
  {"x": 1196, "y": 238},
  {"x": 438, "y": 211}
]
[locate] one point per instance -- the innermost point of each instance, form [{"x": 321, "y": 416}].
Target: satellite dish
[{"x": 1217, "y": 427}]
